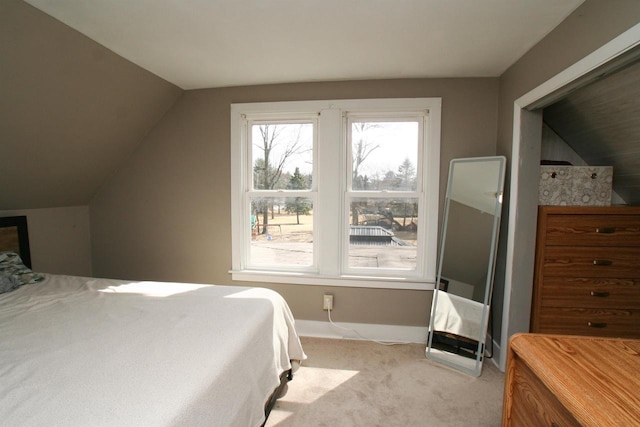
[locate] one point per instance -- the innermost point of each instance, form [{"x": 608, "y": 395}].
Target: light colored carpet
[{"x": 359, "y": 383}]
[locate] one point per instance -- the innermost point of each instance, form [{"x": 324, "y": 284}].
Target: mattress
[{"x": 95, "y": 352}]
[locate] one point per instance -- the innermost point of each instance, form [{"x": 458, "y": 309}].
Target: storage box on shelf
[{"x": 562, "y": 185}]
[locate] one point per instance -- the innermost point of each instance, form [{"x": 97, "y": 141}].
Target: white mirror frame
[{"x": 460, "y": 362}]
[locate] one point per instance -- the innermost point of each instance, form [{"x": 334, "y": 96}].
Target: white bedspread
[
  {"x": 458, "y": 315},
  {"x": 94, "y": 352}
]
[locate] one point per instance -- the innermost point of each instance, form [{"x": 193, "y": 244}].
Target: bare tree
[
  {"x": 361, "y": 149},
  {"x": 268, "y": 169}
]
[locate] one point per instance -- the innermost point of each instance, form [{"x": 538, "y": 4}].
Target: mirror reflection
[{"x": 460, "y": 308}]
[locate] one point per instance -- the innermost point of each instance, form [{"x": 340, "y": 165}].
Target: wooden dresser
[
  {"x": 587, "y": 271},
  {"x": 556, "y": 380}
]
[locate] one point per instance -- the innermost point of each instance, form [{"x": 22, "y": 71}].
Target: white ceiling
[{"x": 216, "y": 43}]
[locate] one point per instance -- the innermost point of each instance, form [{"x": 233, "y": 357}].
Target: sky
[{"x": 395, "y": 140}]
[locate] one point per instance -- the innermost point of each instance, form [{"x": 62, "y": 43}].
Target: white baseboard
[
  {"x": 492, "y": 350},
  {"x": 496, "y": 358},
  {"x": 376, "y": 332},
  {"x": 368, "y": 331}
]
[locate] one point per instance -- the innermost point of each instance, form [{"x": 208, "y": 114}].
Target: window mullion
[
  {"x": 330, "y": 163},
  {"x": 385, "y": 194}
]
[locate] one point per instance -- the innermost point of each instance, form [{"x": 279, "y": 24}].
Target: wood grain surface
[
  {"x": 587, "y": 271},
  {"x": 559, "y": 379}
]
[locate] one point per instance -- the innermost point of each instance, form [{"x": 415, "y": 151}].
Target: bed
[{"x": 78, "y": 351}]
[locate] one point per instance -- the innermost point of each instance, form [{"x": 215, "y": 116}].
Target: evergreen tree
[
  {"x": 407, "y": 175},
  {"x": 299, "y": 205}
]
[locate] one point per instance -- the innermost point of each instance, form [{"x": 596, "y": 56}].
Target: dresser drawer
[
  {"x": 591, "y": 292},
  {"x": 596, "y": 230},
  {"x": 587, "y": 271},
  {"x": 576, "y": 261},
  {"x": 590, "y": 321},
  {"x": 533, "y": 403}
]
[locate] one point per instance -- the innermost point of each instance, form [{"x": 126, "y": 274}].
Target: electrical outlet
[{"x": 327, "y": 302}]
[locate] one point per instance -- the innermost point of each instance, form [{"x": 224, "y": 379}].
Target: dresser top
[
  {"x": 595, "y": 210},
  {"x": 596, "y": 379}
]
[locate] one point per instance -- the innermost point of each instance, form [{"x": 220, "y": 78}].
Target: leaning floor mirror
[{"x": 462, "y": 298}]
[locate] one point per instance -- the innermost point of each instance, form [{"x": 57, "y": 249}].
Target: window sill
[{"x": 343, "y": 281}]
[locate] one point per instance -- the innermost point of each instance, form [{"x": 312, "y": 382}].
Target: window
[
  {"x": 341, "y": 193},
  {"x": 282, "y": 194}
]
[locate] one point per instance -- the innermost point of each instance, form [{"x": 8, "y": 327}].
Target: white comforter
[{"x": 93, "y": 352}]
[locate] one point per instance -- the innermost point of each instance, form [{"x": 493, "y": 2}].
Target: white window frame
[
  {"x": 349, "y": 194},
  {"x": 330, "y": 188},
  {"x": 290, "y": 118}
]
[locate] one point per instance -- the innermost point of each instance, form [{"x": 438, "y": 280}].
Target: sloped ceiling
[
  {"x": 601, "y": 123},
  {"x": 71, "y": 110}
]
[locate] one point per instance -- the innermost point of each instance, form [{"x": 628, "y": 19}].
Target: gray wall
[
  {"x": 589, "y": 27},
  {"x": 71, "y": 111},
  {"x": 59, "y": 239},
  {"x": 166, "y": 214}
]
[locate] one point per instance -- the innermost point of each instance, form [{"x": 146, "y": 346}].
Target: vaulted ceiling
[{"x": 71, "y": 111}]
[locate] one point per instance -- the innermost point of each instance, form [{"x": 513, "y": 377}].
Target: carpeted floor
[{"x": 358, "y": 383}]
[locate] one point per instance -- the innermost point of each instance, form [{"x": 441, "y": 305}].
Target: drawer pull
[
  {"x": 597, "y": 324},
  {"x": 602, "y": 262},
  {"x": 601, "y": 294},
  {"x": 605, "y": 230}
]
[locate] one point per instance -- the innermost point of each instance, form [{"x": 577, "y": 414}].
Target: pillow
[
  {"x": 13, "y": 273},
  {"x": 7, "y": 282}
]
